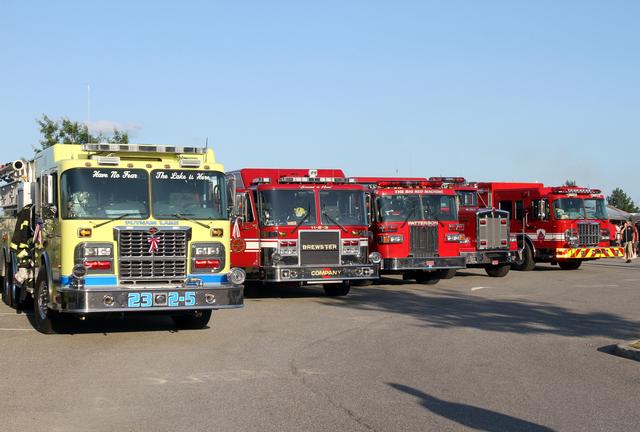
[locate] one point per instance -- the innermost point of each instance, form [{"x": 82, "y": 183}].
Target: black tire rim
[{"x": 43, "y": 301}]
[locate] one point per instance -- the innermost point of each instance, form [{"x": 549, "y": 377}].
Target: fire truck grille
[
  {"x": 493, "y": 229},
  {"x": 319, "y": 248},
  {"x": 140, "y": 262},
  {"x": 588, "y": 233},
  {"x": 424, "y": 241}
]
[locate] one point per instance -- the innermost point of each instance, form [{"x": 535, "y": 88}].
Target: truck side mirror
[
  {"x": 542, "y": 210},
  {"x": 47, "y": 190},
  {"x": 49, "y": 211},
  {"x": 231, "y": 190}
]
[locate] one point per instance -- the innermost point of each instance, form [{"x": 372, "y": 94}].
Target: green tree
[
  {"x": 570, "y": 183},
  {"x": 621, "y": 200},
  {"x": 71, "y": 132}
]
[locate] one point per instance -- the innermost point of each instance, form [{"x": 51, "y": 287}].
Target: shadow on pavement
[
  {"x": 471, "y": 416},
  {"x": 269, "y": 291},
  {"x": 105, "y": 324},
  {"x": 443, "y": 310}
]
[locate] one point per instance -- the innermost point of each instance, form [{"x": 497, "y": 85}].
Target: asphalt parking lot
[{"x": 522, "y": 353}]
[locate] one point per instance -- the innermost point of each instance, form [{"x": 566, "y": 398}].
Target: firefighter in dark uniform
[{"x": 22, "y": 245}]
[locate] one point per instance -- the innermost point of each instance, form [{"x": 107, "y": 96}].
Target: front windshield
[
  {"x": 187, "y": 193},
  {"x": 595, "y": 208},
  {"x": 343, "y": 207},
  {"x": 468, "y": 198},
  {"x": 578, "y": 208},
  {"x": 88, "y": 193},
  {"x": 398, "y": 208},
  {"x": 287, "y": 207}
]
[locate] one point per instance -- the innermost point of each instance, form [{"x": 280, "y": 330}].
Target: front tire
[
  {"x": 427, "y": 278},
  {"x": 527, "y": 263},
  {"x": 569, "y": 265},
  {"x": 337, "y": 290},
  {"x": 498, "y": 270},
  {"x": 194, "y": 320},
  {"x": 446, "y": 273},
  {"x": 46, "y": 320},
  {"x": 6, "y": 285}
]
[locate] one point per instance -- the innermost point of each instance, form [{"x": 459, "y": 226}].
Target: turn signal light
[
  {"x": 217, "y": 232},
  {"x": 85, "y": 232},
  {"x": 207, "y": 264},
  {"x": 98, "y": 265}
]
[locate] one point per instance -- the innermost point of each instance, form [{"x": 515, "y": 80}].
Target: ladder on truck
[{"x": 17, "y": 186}]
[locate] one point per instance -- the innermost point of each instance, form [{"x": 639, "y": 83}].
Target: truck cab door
[{"x": 245, "y": 235}]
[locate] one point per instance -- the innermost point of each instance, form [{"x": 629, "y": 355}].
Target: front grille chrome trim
[
  {"x": 138, "y": 263},
  {"x": 589, "y": 233},
  {"x": 423, "y": 241}
]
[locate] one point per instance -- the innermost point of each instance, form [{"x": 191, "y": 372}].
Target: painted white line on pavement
[{"x": 478, "y": 288}]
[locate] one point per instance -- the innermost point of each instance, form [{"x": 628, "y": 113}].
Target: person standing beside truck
[{"x": 629, "y": 235}]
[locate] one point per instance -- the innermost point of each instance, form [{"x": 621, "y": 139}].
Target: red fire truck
[
  {"x": 561, "y": 225},
  {"x": 488, "y": 243},
  {"x": 301, "y": 226},
  {"x": 415, "y": 228}
]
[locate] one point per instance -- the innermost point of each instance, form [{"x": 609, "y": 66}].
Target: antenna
[
  {"x": 88, "y": 104},
  {"x": 206, "y": 142}
]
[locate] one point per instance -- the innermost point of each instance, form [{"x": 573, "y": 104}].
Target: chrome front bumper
[
  {"x": 495, "y": 257},
  {"x": 147, "y": 299},
  {"x": 429, "y": 263},
  {"x": 319, "y": 274}
]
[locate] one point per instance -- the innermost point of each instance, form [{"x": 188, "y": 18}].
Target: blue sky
[{"x": 491, "y": 90}]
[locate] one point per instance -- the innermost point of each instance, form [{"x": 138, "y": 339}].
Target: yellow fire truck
[{"x": 124, "y": 228}]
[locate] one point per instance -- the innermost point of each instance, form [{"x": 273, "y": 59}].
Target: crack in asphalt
[{"x": 295, "y": 372}]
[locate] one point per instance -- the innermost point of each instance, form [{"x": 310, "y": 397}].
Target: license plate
[
  {"x": 165, "y": 299},
  {"x": 495, "y": 262}
]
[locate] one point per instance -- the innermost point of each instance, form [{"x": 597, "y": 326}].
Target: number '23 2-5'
[{"x": 145, "y": 299}]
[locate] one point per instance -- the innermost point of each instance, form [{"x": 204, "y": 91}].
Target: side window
[
  {"x": 244, "y": 209},
  {"x": 518, "y": 214},
  {"x": 248, "y": 210},
  {"x": 506, "y": 205},
  {"x": 540, "y": 209}
]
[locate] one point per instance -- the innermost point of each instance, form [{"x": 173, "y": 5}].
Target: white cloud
[{"x": 107, "y": 126}]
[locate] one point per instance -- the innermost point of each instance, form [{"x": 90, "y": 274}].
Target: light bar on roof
[
  {"x": 131, "y": 148},
  {"x": 189, "y": 163},
  {"x": 574, "y": 190},
  {"x": 291, "y": 179},
  {"x": 448, "y": 179},
  {"x": 261, "y": 180}
]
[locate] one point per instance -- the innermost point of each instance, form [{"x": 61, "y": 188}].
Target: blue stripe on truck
[{"x": 112, "y": 280}]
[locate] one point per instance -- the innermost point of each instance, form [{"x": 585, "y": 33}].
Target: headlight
[
  {"x": 236, "y": 276},
  {"x": 571, "y": 236},
  {"x": 207, "y": 257},
  {"x": 207, "y": 250},
  {"x": 375, "y": 257},
  {"x": 456, "y": 238},
  {"x": 92, "y": 251},
  {"x": 390, "y": 238}
]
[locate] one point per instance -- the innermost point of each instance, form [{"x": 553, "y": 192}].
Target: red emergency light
[
  {"x": 574, "y": 190},
  {"x": 98, "y": 265},
  {"x": 448, "y": 179},
  {"x": 207, "y": 263}
]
